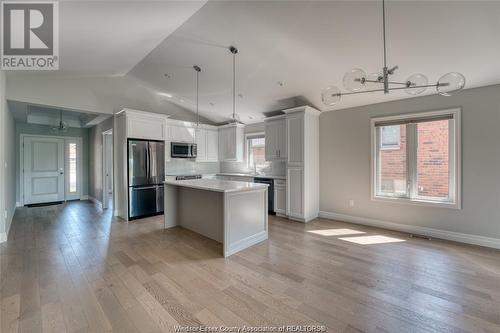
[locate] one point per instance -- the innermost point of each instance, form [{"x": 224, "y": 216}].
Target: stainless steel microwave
[{"x": 183, "y": 150}]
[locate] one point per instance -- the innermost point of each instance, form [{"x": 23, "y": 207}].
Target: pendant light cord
[
  {"x": 383, "y": 29},
  {"x": 234, "y": 86},
  {"x": 197, "y": 98}
]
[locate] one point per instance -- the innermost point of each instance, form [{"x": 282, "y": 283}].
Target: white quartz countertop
[
  {"x": 250, "y": 175},
  {"x": 217, "y": 185}
]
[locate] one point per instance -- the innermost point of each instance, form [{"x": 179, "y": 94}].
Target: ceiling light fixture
[
  {"x": 234, "y": 117},
  {"x": 62, "y": 126},
  {"x": 356, "y": 80},
  {"x": 198, "y": 70}
]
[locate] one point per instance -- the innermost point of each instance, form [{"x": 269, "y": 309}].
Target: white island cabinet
[{"x": 229, "y": 212}]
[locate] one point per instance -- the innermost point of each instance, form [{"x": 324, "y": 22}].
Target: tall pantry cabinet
[{"x": 302, "y": 137}]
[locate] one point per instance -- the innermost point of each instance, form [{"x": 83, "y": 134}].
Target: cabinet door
[
  {"x": 295, "y": 192},
  {"x": 201, "y": 144},
  {"x": 271, "y": 138},
  {"x": 295, "y": 139},
  {"x": 281, "y": 139},
  {"x": 182, "y": 134},
  {"x": 212, "y": 146},
  {"x": 144, "y": 127},
  {"x": 280, "y": 199},
  {"x": 223, "y": 144}
]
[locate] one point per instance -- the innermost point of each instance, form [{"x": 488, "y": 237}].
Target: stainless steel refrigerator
[{"x": 146, "y": 173}]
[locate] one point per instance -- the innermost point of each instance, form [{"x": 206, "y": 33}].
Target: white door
[{"x": 43, "y": 170}]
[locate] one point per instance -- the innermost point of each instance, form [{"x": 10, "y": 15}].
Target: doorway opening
[{"x": 107, "y": 169}]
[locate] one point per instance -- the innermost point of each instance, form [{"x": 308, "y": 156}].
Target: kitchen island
[{"x": 229, "y": 212}]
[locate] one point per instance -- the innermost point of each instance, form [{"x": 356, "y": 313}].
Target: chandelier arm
[{"x": 393, "y": 88}]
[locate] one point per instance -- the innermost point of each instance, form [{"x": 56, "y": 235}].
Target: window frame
[
  {"x": 248, "y": 137},
  {"x": 454, "y": 200}
]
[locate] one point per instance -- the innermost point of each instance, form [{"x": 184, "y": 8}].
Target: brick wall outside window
[{"x": 432, "y": 161}]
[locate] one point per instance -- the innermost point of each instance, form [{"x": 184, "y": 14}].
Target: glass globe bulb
[
  {"x": 354, "y": 80},
  {"x": 416, "y": 80},
  {"x": 331, "y": 95},
  {"x": 450, "y": 83},
  {"x": 372, "y": 81}
]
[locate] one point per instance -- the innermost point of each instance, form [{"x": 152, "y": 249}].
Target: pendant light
[
  {"x": 198, "y": 70},
  {"x": 234, "y": 117},
  {"x": 62, "y": 126},
  {"x": 356, "y": 80}
]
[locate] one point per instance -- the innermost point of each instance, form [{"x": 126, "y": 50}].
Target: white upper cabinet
[
  {"x": 145, "y": 125},
  {"x": 201, "y": 144},
  {"x": 181, "y": 133},
  {"x": 276, "y": 141},
  {"x": 212, "y": 145},
  {"x": 295, "y": 138},
  {"x": 231, "y": 142}
]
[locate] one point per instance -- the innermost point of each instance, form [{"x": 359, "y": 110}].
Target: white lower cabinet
[
  {"x": 280, "y": 197},
  {"x": 295, "y": 192}
]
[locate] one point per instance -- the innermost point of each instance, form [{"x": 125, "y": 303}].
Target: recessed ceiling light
[
  {"x": 211, "y": 104},
  {"x": 280, "y": 83},
  {"x": 181, "y": 100},
  {"x": 165, "y": 94},
  {"x": 168, "y": 76},
  {"x": 240, "y": 95},
  {"x": 250, "y": 117}
]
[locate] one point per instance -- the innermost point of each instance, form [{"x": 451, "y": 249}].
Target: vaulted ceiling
[{"x": 288, "y": 50}]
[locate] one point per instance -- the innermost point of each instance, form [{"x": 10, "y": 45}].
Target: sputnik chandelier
[{"x": 356, "y": 81}]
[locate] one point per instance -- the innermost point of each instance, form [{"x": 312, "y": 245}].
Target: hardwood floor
[{"x": 75, "y": 268}]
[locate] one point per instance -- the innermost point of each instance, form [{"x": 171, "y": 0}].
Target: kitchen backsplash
[
  {"x": 181, "y": 166},
  {"x": 277, "y": 168}
]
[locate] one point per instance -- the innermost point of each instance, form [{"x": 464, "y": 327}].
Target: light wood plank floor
[{"x": 75, "y": 268}]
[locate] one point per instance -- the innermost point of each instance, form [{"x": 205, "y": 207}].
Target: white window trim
[
  {"x": 251, "y": 136},
  {"x": 455, "y": 152}
]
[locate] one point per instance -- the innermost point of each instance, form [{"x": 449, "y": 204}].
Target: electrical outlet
[{"x": 351, "y": 203}]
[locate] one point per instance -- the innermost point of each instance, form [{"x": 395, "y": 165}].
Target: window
[
  {"x": 256, "y": 152},
  {"x": 391, "y": 137},
  {"x": 72, "y": 167},
  {"x": 416, "y": 158}
]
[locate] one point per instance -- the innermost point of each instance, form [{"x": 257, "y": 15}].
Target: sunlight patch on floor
[
  {"x": 335, "y": 232},
  {"x": 368, "y": 240}
]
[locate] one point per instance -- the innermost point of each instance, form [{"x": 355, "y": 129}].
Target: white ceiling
[
  {"x": 111, "y": 37},
  {"x": 310, "y": 45}
]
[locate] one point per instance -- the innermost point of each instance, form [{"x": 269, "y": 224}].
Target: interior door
[{"x": 43, "y": 170}]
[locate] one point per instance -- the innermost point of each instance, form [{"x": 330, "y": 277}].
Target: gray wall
[
  {"x": 95, "y": 153},
  {"x": 24, "y": 128},
  {"x": 345, "y": 163}
]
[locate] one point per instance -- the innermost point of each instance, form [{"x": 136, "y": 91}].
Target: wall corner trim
[{"x": 413, "y": 229}]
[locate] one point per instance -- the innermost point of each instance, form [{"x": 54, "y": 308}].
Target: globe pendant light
[
  {"x": 356, "y": 81},
  {"x": 234, "y": 117},
  {"x": 198, "y": 70}
]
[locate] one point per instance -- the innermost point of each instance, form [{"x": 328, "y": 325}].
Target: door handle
[{"x": 61, "y": 173}]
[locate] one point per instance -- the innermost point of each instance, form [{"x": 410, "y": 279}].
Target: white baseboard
[
  {"x": 413, "y": 229},
  {"x": 18, "y": 204},
  {"x": 85, "y": 197}
]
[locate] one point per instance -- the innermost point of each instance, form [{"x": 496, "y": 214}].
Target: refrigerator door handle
[{"x": 147, "y": 163}]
